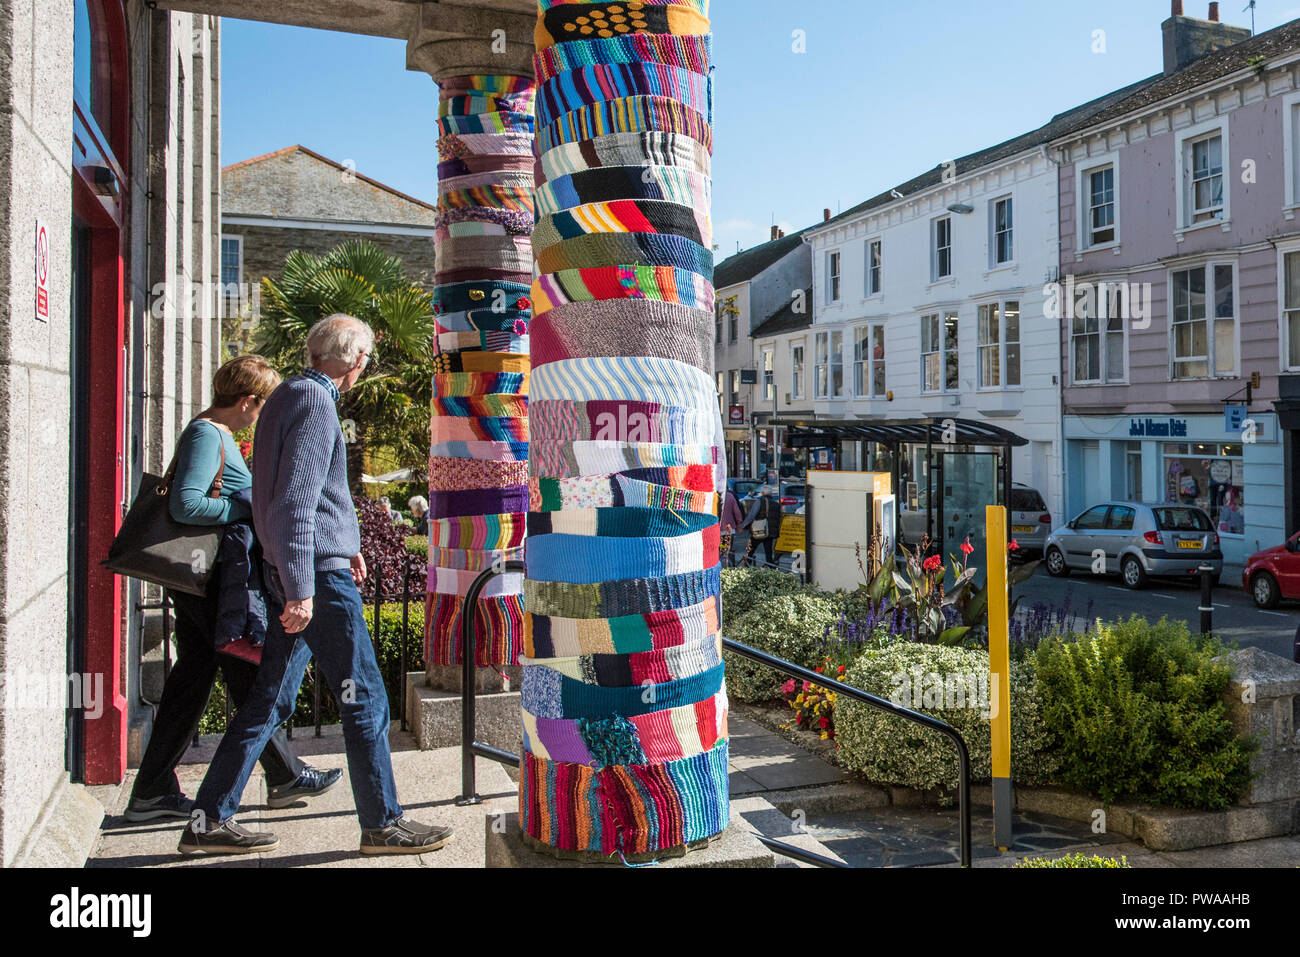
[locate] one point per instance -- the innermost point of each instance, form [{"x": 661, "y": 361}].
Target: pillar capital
[{"x": 451, "y": 39}]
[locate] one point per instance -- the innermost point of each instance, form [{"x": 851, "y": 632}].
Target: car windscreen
[
  {"x": 744, "y": 488},
  {"x": 1027, "y": 500},
  {"x": 1182, "y": 520}
]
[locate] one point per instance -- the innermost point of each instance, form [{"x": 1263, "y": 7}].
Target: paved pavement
[{"x": 764, "y": 764}]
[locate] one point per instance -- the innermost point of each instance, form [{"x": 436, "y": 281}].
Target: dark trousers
[
  {"x": 345, "y": 658},
  {"x": 769, "y": 548},
  {"x": 185, "y": 696}
]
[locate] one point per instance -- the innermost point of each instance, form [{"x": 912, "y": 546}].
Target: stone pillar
[
  {"x": 624, "y": 703},
  {"x": 478, "y": 457}
]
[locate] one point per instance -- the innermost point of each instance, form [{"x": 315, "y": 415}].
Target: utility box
[{"x": 844, "y": 509}]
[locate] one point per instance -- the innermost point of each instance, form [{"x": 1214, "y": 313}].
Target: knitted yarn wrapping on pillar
[
  {"x": 624, "y": 705},
  {"x": 478, "y": 472}
]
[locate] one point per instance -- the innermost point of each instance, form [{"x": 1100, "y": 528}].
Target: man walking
[{"x": 307, "y": 523}]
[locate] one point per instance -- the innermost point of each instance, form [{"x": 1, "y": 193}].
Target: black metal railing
[{"x": 470, "y": 748}]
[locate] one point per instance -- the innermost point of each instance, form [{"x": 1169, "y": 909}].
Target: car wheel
[
  {"x": 1056, "y": 566},
  {"x": 1135, "y": 576},
  {"x": 1263, "y": 588}
]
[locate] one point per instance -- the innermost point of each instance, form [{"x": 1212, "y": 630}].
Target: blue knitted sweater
[{"x": 302, "y": 509}]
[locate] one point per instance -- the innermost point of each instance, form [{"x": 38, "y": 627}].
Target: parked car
[
  {"x": 793, "y": 496},
  {"x": 1274, "y": 573},
  {"x": 1138, "y": 542},
  {"x": 745, "y": 489},
  {"x": 1030, "y": 520}
]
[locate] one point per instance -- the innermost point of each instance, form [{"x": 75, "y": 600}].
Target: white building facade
[{"x": 929, "y": 303}]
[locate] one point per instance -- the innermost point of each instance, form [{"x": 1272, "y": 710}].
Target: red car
[{"x": 1274, "y": 573}]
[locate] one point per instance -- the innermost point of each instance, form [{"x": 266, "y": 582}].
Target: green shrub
[
  {"x": 418, "y": 545},
  {"x": 389, "y": 657},
  {"x": 1139, "y": 710},
  {"x": 744, "y": 588},
  {"x": 792, "y": 627},
  {"x": 1075, "y": 860},
  {"x": 889, "y": 750}
]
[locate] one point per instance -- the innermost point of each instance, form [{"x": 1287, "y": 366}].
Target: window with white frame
[
  {"x": 874, "y": 267},
  {"x": 999, "y": 345},
  {"x": 1099, "y": 186},
  {"x": 869, "y": 361},
  {"x": 1204, "y": 321},
  {"x": 1203, "y": 181},
  {"x": 830, "y": 365},
  {"x": 232, "y": 260},
  {"x": 733, "y": 322},
  {"x": 941, "y": 249},
  {"x": 1291, "y": 146},
  {"x": 940, "y": 364},
  {"x": 1098, "y": 336},
  {"x": 722, "y": 393},
  {"x": 735, "y": 387},
  {"x": 833, "y": 277},
  {"x": 769, "y": 376},
  {"x": 796, "y": 370},
  {"x": 1291, "y": 309},
  {"x": 1001, "y": 226}
]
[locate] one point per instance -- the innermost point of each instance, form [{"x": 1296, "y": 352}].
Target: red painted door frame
[{"x": 100, "y": 190}]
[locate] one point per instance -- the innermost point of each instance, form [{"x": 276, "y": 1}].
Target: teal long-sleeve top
[{"x": 197, "y": 460}]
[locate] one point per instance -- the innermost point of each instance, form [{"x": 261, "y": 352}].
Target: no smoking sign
[{"x": 42, "y": 272}]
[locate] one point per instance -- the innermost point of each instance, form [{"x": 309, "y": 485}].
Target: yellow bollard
[{"x": 999, "y": 673}]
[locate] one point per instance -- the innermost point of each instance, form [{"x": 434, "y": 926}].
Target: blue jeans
[{"x": 338, "y": 638}]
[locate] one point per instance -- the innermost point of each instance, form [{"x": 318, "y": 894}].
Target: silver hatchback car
[{"x": 1136, "y": 541}]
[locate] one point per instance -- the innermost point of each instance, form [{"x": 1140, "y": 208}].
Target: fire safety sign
[{"x": 42, "y": 272}]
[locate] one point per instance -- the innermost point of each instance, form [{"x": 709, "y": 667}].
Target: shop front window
[{"x": 1210, "y": 477}]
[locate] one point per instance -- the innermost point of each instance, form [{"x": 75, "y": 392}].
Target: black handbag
[{"x": 154, "y": 547}]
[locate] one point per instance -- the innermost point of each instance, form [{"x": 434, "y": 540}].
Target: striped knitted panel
[
  {"x": 623, "y": 695},
  {"x": 478, "y": 431}
]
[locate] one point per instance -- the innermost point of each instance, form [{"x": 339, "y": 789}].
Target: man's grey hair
[
  {"x": 418, "y": 500},
  {"x": 339, "y": 337}
]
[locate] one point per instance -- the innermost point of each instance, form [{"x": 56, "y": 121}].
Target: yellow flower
[{"x": 825, "y": 735}]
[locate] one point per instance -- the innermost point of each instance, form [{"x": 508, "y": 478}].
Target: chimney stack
[
  {"x": 775, "y": 233},
  {"x": 781, "y": 234},
  {"x": 1187, "y": 39},
  {"x": 826, "y": 215}
]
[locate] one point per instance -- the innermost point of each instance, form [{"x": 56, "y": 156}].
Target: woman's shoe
[{"x": 309, "y": 784}]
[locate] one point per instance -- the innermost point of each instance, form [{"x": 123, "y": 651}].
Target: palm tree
[{"x": 389, "y": 407}]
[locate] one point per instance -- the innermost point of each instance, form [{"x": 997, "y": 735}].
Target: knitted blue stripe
[
  {"x": 538, "y": 686},
  {"x": 589, "y": 560}
]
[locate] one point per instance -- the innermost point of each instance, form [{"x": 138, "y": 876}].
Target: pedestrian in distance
[
  {"x": 764, "y": 522},
  {"x": 304, "y": 511}
]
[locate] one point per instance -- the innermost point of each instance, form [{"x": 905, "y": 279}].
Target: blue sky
[{"x": 882, "y": 93}]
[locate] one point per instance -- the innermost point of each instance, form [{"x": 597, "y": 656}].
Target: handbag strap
[{"x": 165, "y": 484}]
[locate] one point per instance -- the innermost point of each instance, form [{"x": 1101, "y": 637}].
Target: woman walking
[{"x": 201, "y": 496}]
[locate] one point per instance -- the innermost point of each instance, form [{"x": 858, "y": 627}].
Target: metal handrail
[{"x": 471, "y": 748}]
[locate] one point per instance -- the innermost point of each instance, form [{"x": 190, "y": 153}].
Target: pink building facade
[{"x": 1179, "y": 293}]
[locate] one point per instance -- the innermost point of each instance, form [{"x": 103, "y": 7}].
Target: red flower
[
  {"x": 967, "y": 547},
  {"x": 523, "y": 302},
  {"x": 825, "y": 722},
  {"x": 788, "y": 687},
  {"x": 798, "y": 718},
  {"x": 820, "y": 671},
  {"x": 1013, "y": 546},
  {"x": 932, "y": 564},
  {"x": 841, "y": 671}
]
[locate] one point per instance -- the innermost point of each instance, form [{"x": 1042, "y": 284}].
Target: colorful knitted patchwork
[
  {"x": 612, "y": 283},
  {"x": 478, "y": 431},
  {"x": 623, "y": 696},
  {"x": 685, "y": 52},
  {"x": 631, "y": 114}
]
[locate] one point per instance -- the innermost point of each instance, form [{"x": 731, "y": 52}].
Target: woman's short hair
[
  {"x": 339, "y": 337},
  {"x": 243, "y": 376},
  {"x": 417, "y": 501}
]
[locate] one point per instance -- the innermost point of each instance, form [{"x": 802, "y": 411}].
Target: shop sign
[
  {"x": 1158, "y": 428},
  {"x": 1234, "y": 418},
  {"x": 736, "y": 415},
  {"x": 42, "y": 272}
]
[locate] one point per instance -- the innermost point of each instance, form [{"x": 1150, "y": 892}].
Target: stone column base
[
  {"x": 508, "y": 846},
  {"x": 433, "y": 715}
]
